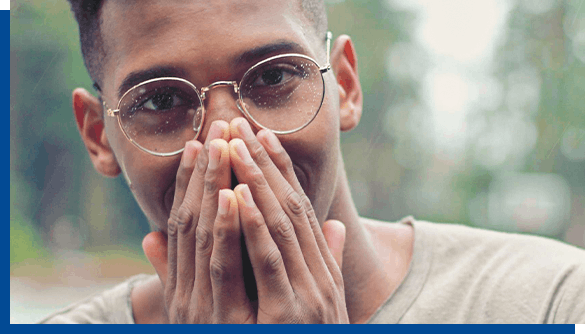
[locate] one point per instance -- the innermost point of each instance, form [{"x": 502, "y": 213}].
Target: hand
[
  {"x": 297, "y": 269},
  {"x": 202, "y": 272},
  {"x": 200, "y": 269}
]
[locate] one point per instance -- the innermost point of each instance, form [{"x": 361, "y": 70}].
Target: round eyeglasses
[{"x": 282, "y": 94}]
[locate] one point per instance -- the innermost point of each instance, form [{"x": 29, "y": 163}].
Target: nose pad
[{"x": 198, "y": 119}]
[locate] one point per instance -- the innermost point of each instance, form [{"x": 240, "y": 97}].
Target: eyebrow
[
  {"x": 257, "y": 53},
  {"x": 249, "y": 56},
  {"x": 137, "y": 77}
]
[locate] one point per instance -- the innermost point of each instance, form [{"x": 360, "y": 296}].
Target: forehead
[{"x": 196, "y": 36}]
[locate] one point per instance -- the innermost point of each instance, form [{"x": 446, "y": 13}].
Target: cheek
[{"x": 151, "y": 179}]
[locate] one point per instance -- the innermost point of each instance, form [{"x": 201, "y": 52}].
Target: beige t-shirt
[
  {"x": 457, "y": 274},
  {"x": 460, "y": 274}
]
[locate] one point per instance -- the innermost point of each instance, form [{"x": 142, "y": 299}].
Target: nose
[{"x": 219, "y": 103}]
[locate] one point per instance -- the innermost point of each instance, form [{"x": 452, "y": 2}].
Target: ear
[
  {"x": 88, "y": 115},
  {"x": 344, "y": 64}
]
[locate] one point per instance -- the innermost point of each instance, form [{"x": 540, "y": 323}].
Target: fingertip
[
  {"x": 235, "y": 126},
  {"x": 154, "y": 245},
  {"x": 192, "y": 149},
  {"x": 219, "y": 129},
  {"x": 244, "y": 195},
  {"x": 335, "y": 226},
  {"x": 225, "y": 129},
  {"x": 220, "y": 145},
  {"x": 227, "y": 202},
  {"x": 269, "y": 140},
  {"x": 334, "y": 233}
]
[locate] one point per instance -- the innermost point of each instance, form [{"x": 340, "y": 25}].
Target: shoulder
[
  {"x": 111, "y": 306},
  {"x": 504, "y": 276},
  {"x": 463, "y": 241}
]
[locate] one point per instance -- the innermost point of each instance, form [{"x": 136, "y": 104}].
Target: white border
[
  {"x": 580, "y": 329},
  {"x": 5, "y": 5}
]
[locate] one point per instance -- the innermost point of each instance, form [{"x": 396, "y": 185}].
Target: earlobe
[
  {"x": 88, "y": 116},
  {"x": 344, "y": 64}
]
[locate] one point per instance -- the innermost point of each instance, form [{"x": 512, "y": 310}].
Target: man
[{"x": 254, "y": 219}]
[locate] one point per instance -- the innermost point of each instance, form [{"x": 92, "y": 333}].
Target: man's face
[{"x": 202, "y": 41}]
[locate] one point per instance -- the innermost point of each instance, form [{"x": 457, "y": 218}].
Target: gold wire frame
[{"x": 201, "y": 94}]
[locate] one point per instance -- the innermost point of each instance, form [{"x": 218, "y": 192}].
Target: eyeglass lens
[{"x": 282, "y": 94}]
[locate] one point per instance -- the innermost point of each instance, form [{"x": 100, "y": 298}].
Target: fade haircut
[{"x": 87, "y": 14}]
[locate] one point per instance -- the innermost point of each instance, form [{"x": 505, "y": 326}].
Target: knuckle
[
  {"x": 183, "y": 219},
  {"x": 218, "y": 271},
  {"x": 203, "y": 238},
  {"x": 172, "y": 228},
  {"x": 257, "y": 179},
  {"x": 284, "y": 228},
  {"x": 317, "y": 310},
  {"x": 272, "y": 260},
  {"x": 306, "y": 202},
  {"x": 309, "y": 209},
  {"x": 210, "y": 183},
  {"x": 283, "y": 161},
  {"x": 181, "y": 311},
  {"x": 201, "y": 164},
  {"x": 256, "y": 220},
  {"x": 294, "y": 203},
  {"x": 182, "y": 176},
  {"x": 338, "y": 279},
  {"x": 224, "y": 233},
  {"x": 259, "y": 155}
]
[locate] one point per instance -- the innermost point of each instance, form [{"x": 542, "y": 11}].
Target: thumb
[
  {"x": 154, "y": 245},
  {"x": 334, "y": 233}
]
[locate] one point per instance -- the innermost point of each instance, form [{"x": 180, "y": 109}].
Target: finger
[
  {"x": 192, "y": 149},
  {"x": 288, "y": 197},
  {"x": 154, "y": 245},
  {"x": 226, "y": 270},
  {"x": 217, "y": 177},
  {"x": 277, "y": 220},
  {"x": 282, "y": 161},
  {"x": 334, "y": 233},
  {"x": 186, "y": 217},
  {"x": 267, "y": 263}
]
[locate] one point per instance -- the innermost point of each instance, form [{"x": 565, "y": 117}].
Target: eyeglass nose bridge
[{"x": 204, "y": 90}]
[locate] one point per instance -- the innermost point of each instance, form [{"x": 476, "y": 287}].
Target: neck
[{"x": 366, "y": 284}]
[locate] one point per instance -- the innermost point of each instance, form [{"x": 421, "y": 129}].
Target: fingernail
[
  {"x": 244, "y": 129},
  {"x": 188, "y": 158},
  {"x": 215, "y": 132},
  {"x": 242, "y": 151},
  {"x": 214, "y": 155},
  {"x": 247, "y": 195},
  {"x": 272, "y": 141},
  {"x": 223, "y": 203}
]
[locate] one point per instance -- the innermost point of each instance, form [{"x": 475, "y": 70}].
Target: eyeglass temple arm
[{"x": 328, "y": 64}]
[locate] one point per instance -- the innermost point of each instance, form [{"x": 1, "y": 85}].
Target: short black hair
[{"x": 87, "y": 14}]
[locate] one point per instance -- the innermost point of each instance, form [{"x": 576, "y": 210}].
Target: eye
[
  {"x": 275, "y": 75},
  {"x": 162, "y": 102}
]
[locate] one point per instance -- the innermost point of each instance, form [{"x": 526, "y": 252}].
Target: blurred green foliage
[{"x": 25, "y": 242}]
